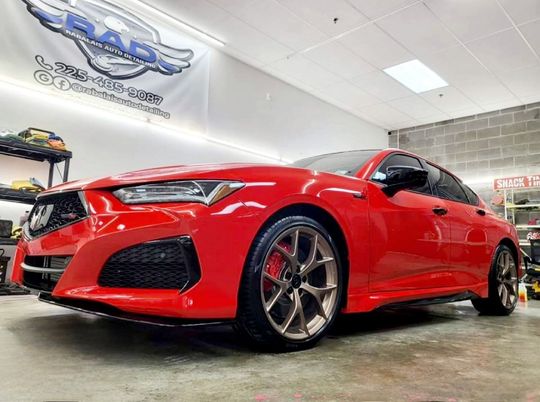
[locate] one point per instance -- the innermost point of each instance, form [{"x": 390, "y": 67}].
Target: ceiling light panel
[{"x": 416, "y": 76}]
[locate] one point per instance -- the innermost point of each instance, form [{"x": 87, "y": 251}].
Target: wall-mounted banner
[
  {"x": 528, "y": 181},
  {"x": 107, "y": 52}
]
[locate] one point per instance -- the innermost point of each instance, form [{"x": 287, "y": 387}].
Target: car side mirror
[{"x": 403, "y": 178}]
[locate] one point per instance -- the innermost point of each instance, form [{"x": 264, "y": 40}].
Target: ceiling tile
[
  {"x": 338, "y": 59},
  {"x": 454, "y": 65},
  {"x": 232, "y": 6},
  {"x": 485, "y": 90},
  {"x": 376, "y": 47},
  {"x": 490, "y": 106},
  {"x": 198, "y": 13},
  {"x": 525, "y": 83},
  {"x": 306, "y": 71},
  {"x": 382, "y": 86},
  {"x": 522, "y": 10},
  {"x": 239, "y": 35},
  {"x": 451, "y": 101},
  {"x": 433, "y": 118},
  {"x": 416, "y": 107},
  {"x": 321, "y": 14},
  {"x": 377, "y": 8},
  {"x": 350, "y": 95},
  {"x": 418, "y": 30},
  {"x": 468, "y": 111},
  {"x": 504, "y": 51},
  {"x": 280, "y": 24},
  {"x": 390, "y": 117},
  {"x": 531, "y": 31},
  {"x": 470, "y": 19}
]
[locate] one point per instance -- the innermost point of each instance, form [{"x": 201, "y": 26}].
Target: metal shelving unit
[
  {"x": 511, "y": 211},
  {"x": 35, "y": 153}
]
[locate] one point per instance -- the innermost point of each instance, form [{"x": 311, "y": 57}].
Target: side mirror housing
[{"x": 403, "y": 178}]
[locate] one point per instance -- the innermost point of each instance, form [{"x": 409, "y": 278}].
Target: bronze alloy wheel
[
  {"x": 507, "y": 280},
  {"x": 299, "y": 283}
]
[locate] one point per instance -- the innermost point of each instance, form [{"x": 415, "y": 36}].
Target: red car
[{"x": 277, "y": 250}]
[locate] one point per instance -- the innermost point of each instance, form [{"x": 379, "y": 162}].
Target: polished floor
[{"x": 438, "y": 353}]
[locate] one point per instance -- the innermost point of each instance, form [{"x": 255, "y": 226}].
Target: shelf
[
  {"x": 8, "y": 242},
  {"x": 23, "y": 197},
  {"x": 527, "y": 226},
  {"x": 32, "y": 152},
  {"x": 510, "y": 206}
]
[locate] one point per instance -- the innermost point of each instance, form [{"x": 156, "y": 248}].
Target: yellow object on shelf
[{"x": 30, "y": 185}]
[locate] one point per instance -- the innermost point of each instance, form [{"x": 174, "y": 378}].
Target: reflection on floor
[{"x": 443, "y": 353}]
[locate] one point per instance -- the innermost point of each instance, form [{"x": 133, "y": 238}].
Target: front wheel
[
  {"x": 503, "y": 285},
  {"x": 292, "y": 285}
]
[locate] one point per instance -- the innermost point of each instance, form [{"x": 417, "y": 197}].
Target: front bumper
[{"x": 112, "y": 226}]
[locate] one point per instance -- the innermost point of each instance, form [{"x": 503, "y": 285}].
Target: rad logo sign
[{"x": 116, "y": 42}]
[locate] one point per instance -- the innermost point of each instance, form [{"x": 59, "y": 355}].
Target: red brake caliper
[{"x": 275, "y": 265}]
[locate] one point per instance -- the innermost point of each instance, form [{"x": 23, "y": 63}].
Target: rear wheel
[
  {"x": 503, "y": 285},
  {"x": 292, "y": 284}
]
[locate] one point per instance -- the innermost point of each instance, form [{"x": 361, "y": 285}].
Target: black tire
[
  {"x": 252, "y": 319},
  {"x": 495, "y": 304}
]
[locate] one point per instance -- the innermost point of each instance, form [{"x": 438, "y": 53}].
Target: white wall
[{"x": 292, "y": 124}]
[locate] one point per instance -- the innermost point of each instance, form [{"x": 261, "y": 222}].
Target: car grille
[
  {"x": 160, "y": 264},
  {"x": 55, "y": 211},
  {"x": 43, "y": 273}
]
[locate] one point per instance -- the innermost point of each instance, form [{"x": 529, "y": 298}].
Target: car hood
[{"x": 226, "y": 171}]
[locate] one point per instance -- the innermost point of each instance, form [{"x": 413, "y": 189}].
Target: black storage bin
[{"x": 3, "y": 268}]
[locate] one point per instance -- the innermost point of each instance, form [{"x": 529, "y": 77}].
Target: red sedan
[{"x": 278, "y": 250}]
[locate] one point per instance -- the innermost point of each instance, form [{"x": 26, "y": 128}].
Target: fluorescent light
[
  {"x": 183, "y": 25},
  {"x": 416, "y": 76}
]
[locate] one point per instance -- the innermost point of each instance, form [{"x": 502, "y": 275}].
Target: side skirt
[{"x": 435, "y": 300}]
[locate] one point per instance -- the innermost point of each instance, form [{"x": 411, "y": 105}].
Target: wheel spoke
[
  {"x": 318, "y": 295},
  {"x": 275, "y": 297},
  {"x": 504, "y": 295},
  {"x": 315, "y": 264},
  {"x": 276, "y": 281},
  {"x": 303, "y": 323},
  {"x": 312, "y": 255},
  {"x": 291, "y": 315},
  {"x": 291, "y": 260}
]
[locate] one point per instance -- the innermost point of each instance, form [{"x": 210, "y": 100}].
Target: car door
[
  {"x": 470, "y": 253},
  {"x": 410, "y": 234}
]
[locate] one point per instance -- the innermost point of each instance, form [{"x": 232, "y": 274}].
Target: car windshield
[{"x": 344, "y": 163}]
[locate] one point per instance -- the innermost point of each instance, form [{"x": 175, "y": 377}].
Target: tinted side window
[
  {"x": 445, "y": 185},
  {"x": 399, "y": 160},
  {"x": 471, "y": 195}
]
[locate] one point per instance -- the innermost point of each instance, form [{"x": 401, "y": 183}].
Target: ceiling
[{"x": 487, "y": 50}]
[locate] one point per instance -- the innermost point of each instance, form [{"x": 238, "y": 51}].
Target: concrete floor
[{"x": 439, "y": 353}]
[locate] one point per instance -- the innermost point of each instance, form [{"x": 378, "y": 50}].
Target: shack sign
[{"x": 517, "y": 182}]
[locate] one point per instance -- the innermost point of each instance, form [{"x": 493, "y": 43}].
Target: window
[
  {"x": 344, "y": 163},
  {"x": 399, "y": 160},
  {"x": 446, "y": 186},
  {"x": 471, "y": 195}
]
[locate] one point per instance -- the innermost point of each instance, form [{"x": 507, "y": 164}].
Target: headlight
[{"x": 202, "y": 191}]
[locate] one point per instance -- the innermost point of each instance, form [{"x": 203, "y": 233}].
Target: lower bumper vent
[
  {"x": 160, "y": 264},
  {"x": 43, "y": 272}
]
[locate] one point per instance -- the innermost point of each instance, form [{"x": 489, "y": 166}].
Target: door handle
[
  {"x": 440, "y": 211},
  {"x": 481, "y": 212}
]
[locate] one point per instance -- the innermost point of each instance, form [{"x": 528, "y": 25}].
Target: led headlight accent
[{"x": 203, "y": 191}]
